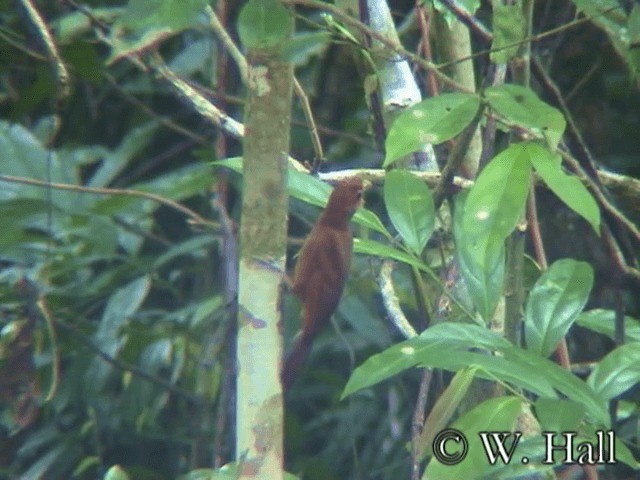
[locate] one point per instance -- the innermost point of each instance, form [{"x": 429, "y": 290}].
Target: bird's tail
[{"x": 295, "y": 360}]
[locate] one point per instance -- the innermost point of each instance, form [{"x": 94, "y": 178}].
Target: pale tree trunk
[{"x": 263, "y": 235}]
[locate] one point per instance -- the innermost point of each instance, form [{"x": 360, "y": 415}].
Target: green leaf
[
  {"x": 174, "y": 14},
  {"x": 264, "y": 24},
  {"x": 23, "y": 155},
  {"x": 305, "y": 45},
  {"x": 496, "y": 203},
  {"x": 434, "y": 342},
  {"x": 484, "y": 283},
  {"x": 71, "y": 26},
  {"x": 120, "y": 307},
  {"x": 194, "y": 246},
  {"x": 493, "y": 415},
  {"x": 434, "y": 120},
  {"x": 469, "y": 5},
  {"x": 116, "y": 472},
  {"x": 557, "y": 415},
  {"x": 563, "y": 381},
  {"x": 136, "y": 140},
  {"x": 617, "y": 372},
  {"x": 444, "y": 408},
  {"x": 567, "y": 187},
  {"x": 146, "y": 23},
  {"x": 410, "y": 206},
  {"x": 454, "y": 346},
  {"x": 521, "y": 106},
  {"x": 509, "y": 29},
  {"x": 371, "y": 247},
  {"x": 604, "y": 322},
  {"x": 555, "y": 302}
]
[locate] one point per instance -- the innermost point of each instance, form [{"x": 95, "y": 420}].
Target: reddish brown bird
[{"x": 322, "y": 269}]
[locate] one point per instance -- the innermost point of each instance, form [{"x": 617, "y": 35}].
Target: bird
[{"x": 322, "y": 268}]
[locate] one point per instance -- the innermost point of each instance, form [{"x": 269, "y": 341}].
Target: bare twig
[
  {"x": 62, "y": 75},
  {"x": 127, "y": 367},
  {"x": 456, "y": 157},
  {"x": 418, "y": 422},
  {"x": 396, "y": 48},
  {"x": 308, "y": 115},
  {"x": 227, "y": 41},
  {"x": 600, "y": 197},
  {"x": 196, "y": 218},
  {"x": 163, "y": 120}
]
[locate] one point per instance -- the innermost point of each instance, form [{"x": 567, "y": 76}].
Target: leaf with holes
[
  {"x": 521, "y": 106},
  {"x": 495, "y": 204}
]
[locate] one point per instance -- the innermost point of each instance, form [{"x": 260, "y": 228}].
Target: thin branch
[
  {"x": 62, "y": 75},
  {"x": 127, "y": 367},
  {"x": 418, "y": 422},
  {"x": 243, "y": 66},
  {"x": 468, "y": 19},
  {"x": 227, "y": 41},
  {"x": 308, "y": 115},
  {"x": 163, "y": 120},
  {"x": 584, "y": 79},
  {"x": 456, "y": 157},
  {"x": 587, "y": 162},
  {"x": 195, "y": 218},
  {"x": 55, "y": 351},
  {"x": 534, "y": 228},
  {"x": 208, "y": 110},
  {"x": 533, "y": 38},
  {"x": 5, "y": 35},
  {"x": 391, "y": 301},
  {"x": 424, "y": 25},
  {"x": 394, "y": 47},
  {"x": 604, "y": 202}
]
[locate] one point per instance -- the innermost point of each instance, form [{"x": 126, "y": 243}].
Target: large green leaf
[
  {"x": 434, "y": 120},
  {"x": 410, "y": 206},
  {"x": 146, "y": 23},
  {"x": 264, "y": 23},
  {"x": 558, "y": 415},
  {"x": 567, "y": 187},
  {"x": 555, "y": 302},
  {"x": 371, "y": 247},
  {"x": 563, "y": 381},
  {"x": 617, "y": 372},
  {"x": 116, "y": 161},
  {"x": 434, "y": 342},
  {"x": 453, "y": 347},
  {"x": 509, "y": 29},
  {"x": 484, "y": 282},
  {"x": 496, "y": 203},
  {"x": 120, "y": 307},
  {"x": 444, "y": 408},
  {"x": 521, "y": 106},
  {"x": 493, "y": 415},
  {"x": 603, "y": 321},
  {"x": 23, "y": 155}
]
